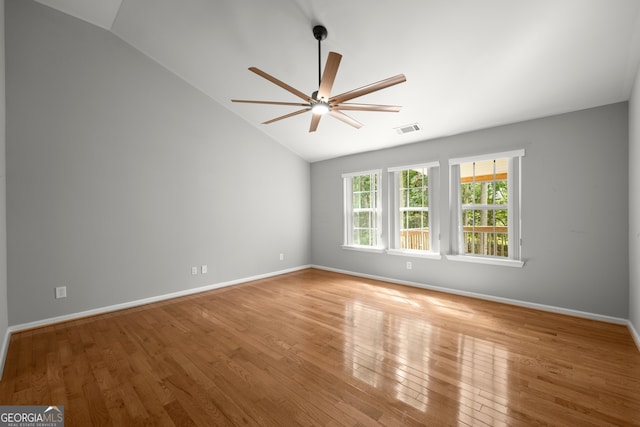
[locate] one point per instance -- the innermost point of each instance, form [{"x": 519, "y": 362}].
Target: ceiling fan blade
[
  {"x": 315, "y": 119},
  {"x": 367, "y": 107},
  {"x": 343, "y": 117},
  {"x": 329, "y": 75},
  {"x": 286, "y": 116},
  {"x": 294, "y": 104},
  {"x": 382, "y": 84},
  {"x": 283, "y": 85}
]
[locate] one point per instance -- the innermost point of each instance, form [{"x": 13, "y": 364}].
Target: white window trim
[
  {"x": 414, "y": 253},
  {"x": 347, "y": 183},
  {"x": 482, "y": 157},
  {"x": 372, "y": 249},
  {"x": 515, "y": 210},
  {"x": 427, "y": 165},
  {"x": 478, "y": 259},
  {"x": 433, "y": 173}
]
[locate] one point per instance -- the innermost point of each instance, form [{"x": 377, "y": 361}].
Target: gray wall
[
  {"x": 4, "y": 317},
  {"x": 634, "y": 206},
  {"x": 120, "y": 176},
  {"x": 574, "y": 220}
]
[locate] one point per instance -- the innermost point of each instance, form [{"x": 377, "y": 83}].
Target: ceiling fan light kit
[
  {"x": 320, "y": 102},
  {"x": 320, "y": 107}
]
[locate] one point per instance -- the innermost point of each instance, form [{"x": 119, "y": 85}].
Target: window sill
[
  {"x": 373, "y": 249},
  {"x": 415, "y": 254},
  {"x": 486, "y": 260}
]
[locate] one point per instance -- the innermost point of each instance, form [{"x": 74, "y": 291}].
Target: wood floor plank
[{"x": 321, "y": 348}]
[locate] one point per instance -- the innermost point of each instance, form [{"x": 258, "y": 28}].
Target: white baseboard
[
  {"x": 4, "y": 350},
  {"x": 634, "y": 334},
  {"x": 130, "y": 304},
  {"x": 542, "y": 307}
]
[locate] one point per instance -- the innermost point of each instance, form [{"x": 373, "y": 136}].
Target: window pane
[
  {"x": 404, "y": 201},
  {"x": 502, "y": 196},
  {"x": 467, "y": 217},
  {"x": 404, "y": 179},
  {"x": 475, "y": 243},
  {"x": 415, "y": 197},
  {"x": 415, "y": 239},
  {"x": 502, "y": 242},
  {"x": 365, "y": 183},
  {"x": 490, "y": 217},
  {"x": 484, "y": 168},
  {"x": 362, "y": 183},
  {"x": 404, "y": 224},
  {"x": 363, "y": 236},
  {"x": 362, "y": 219},
  {"x": 416, "y": 179},
  {"x": 362, "y": 200},
  {"x": 471, "y": 217},
  {"x": 468, "y": 193},
  {"x": 365, "y": 200},
  {"x": 415, "y": 221},
  {"x": 356, "y": 183},
  {"x": 482, "y": 193},
  {"x": 502, "y": 218}
]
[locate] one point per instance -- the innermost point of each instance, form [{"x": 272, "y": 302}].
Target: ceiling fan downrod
[{"x": 320, "y": 33}]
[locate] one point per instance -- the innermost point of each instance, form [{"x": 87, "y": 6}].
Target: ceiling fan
[{"x": 320, "y": 102}]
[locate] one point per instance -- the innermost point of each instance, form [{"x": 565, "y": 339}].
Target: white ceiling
[{"x": 469, "y": 64}]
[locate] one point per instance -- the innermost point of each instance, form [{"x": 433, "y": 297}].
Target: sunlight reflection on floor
[{"x": 392, "y": 352}]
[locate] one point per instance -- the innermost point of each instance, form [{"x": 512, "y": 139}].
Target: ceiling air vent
[{"x": 408, "y": 129}]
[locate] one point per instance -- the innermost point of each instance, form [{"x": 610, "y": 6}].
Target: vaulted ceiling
[{"x": 469, "y": 64}]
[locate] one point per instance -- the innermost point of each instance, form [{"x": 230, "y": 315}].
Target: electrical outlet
[
  {"x": 281, "y": 257},
  {"x": 61, "y": 292},
  {"x": 409, "y": 265},
  {"x": 194, "y": 270},
  {"x": 204, "y": 269}
]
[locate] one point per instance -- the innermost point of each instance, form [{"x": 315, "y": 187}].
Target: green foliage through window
[
  {"x": 414, "y": 209},
  {"x": 364, "y": 189}
]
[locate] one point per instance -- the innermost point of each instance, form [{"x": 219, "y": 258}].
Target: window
[
  {"x": 414, "y": 214},
  {"x": 362, "y": 222},
  {"x": 485, "y": 208}
]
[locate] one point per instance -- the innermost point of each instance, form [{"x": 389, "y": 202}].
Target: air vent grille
[{"x": 408, "y": 129}]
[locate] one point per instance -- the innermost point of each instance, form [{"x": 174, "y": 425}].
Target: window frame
[
  {"x": 348, "y": 227},
  {"x": 514, "y": 208},
  {"x": 395, "y": 211}
]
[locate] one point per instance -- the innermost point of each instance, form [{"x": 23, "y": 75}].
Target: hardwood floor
[{"x": 320, "y": 348}]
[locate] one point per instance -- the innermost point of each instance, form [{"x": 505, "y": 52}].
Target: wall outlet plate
[
  {"x": 204, "y": 269},
  {"x": 194, "y": 270},
  {"x": 61, "y": 292},
  {"x": 409, "y": 265}
]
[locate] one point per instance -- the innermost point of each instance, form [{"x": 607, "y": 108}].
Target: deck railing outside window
[
  {"x": 415, "y": 239},
  {"x": 487, "y": 240},
  {"x": 482, "y": 240}
]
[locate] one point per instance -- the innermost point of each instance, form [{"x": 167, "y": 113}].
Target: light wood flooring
[{"x": 321, "y": 348}]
